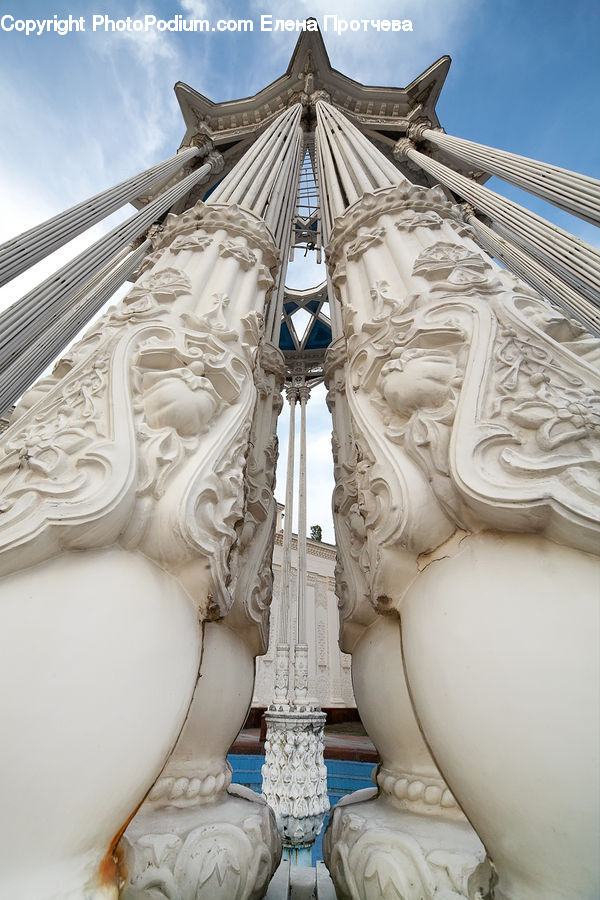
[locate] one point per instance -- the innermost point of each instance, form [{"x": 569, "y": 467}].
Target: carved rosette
[
  {"x": 464, "y": 414},
  {"x": 294, "y": 774},
  {"x": 142, "y": 435}
]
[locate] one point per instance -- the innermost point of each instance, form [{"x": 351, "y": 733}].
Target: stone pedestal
[
  {"x": 375, "y": 849},
  {"x": 226, "y": 847},
  {"x": 295, "y": 777},
  {"x": 409, "y": 837},
  {"x": 195, "y": 835}
]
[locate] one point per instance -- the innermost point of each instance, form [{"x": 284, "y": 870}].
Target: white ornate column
[
  {"x": 577, "y": 194},
  {"x": 136, "y": 524},
  {"x": 282, "y": 652},
  {"x": 467, "y": 509},
  {"x": 301, "y": 648},
  {"x": 294, "y": 773},
  {"x": 571, "y": 259}
]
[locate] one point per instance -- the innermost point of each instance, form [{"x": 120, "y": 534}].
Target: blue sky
[{"x": 82, "y": 111}]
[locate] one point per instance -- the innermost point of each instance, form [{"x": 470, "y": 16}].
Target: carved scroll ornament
[
  {"x": 466, "y": 415},
  {"x": 142, "y": 441}
]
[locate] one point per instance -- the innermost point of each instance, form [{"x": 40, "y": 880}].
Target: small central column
[
  {"x": 282, "y": 654},
  {"x": 301, "y": 653},
  {"x": 294, "y": 773}
]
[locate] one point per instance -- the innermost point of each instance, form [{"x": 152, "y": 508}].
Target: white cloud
[
  {"x": 196, "y": 9},
  {"x": 377, "y": 57}
]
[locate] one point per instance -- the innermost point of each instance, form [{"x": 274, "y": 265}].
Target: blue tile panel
[{"x": 342, "y": 778}]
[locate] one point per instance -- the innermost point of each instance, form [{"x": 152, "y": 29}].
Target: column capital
[
  {"x": 215, "y": 160},
  {"x": 469, "y": 213},
  {"x": 291, "y": 393},
  {"x": 303, "y": 393},
  {"x": 401, "y": 148},
  {"x": 416, "y": 130}
]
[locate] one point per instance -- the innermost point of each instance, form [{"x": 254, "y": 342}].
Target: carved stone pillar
[
  {"x": 195, "y": 837},
  {"x": 192, "y": 807},
  {"x": 295, "y": 778},
  {"x": 126, "y": 489},
  {"x": 468, "y": 508},
  {"x": 409, "y": 837}
]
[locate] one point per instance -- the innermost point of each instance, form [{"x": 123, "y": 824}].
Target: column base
[
  {"x": 373, "y": 848},
  {"x": 224, "y": 850}
]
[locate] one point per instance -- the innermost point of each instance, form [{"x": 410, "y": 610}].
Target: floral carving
[
  {"x": 194, "y": 241},
  {"x": 57, "y": 457},
  {"x": 245, "y": 257},
  {"x": 226, "y": 856},
  {"x": 409, "y": 219},
  {"x": 368, "y": 239},
  {"x": 557, "y": 415},
  {"x": 165, "y": 286},
  {"x": 294, "y": 774},
  {"x": 453, "y": 267},
  {"x": 368, "y": 858}
]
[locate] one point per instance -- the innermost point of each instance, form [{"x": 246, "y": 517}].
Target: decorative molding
[
  {"x": 294, "y": 774},
  {"x": 209, "y": 218},
  {"x": 250, "y": 563},
  {"x": 229, "y": 851},
  {"x": 182, "y": 792},
  {"x": 404, "y": 200},
  {"x": 414, "y": 792},
  {"x": 371, "y": 853}
]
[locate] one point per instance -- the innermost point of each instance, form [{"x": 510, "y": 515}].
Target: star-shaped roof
[
  {"x": 383, "y": 114},
  {"x": 309, "y": 70}
]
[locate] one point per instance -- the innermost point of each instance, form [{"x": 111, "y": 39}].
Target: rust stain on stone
[{"x": 111, "y": 869}]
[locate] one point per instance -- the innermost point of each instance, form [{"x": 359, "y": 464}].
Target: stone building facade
[{"x": 329, "y": 670}]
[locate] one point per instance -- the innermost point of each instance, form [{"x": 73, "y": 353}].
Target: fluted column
[
  {"x": 22, "y": 322},
  {"x": 282, "y": 652},
  {"x": 348, "y": 164},
  {"x": 301, "y": 649},
  {"x": 22, "y": 252},
  {"x": 284, "y": 237},
  {"x": 152, "y": 456},
  {"x": 464, "y": 503},
  {"x": 531, "y": 271},
  {"x": 570, "y": 258},
  {"x": 38, "y": 355},
  {"x": 575, "y": 193}
]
